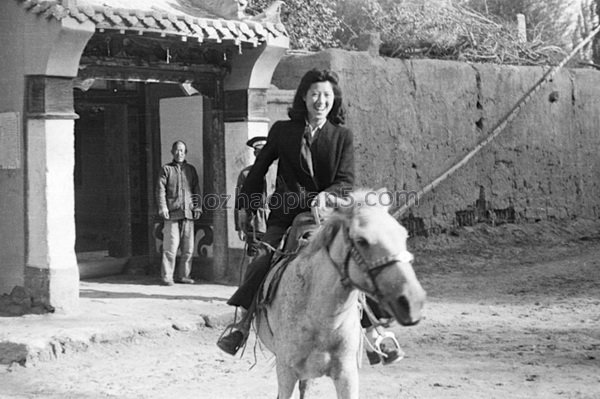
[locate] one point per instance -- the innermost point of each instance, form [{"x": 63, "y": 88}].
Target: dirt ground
[{"x": 513, "y": 312}]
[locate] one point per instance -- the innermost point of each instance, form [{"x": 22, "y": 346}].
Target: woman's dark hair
[{"x": 298, "y": 111}]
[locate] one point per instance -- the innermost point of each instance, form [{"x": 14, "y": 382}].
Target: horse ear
[{"x": 385, "y": 198}]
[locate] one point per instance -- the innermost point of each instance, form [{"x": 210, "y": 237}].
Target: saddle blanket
[{"x": 296, "y": 238}]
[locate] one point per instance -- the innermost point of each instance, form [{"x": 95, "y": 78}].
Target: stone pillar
[{"x": 51, "y": 273}]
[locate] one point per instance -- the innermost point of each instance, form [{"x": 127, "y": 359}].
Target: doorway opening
[
  {"x": 110, "y": 176},
  {"x": 122, "y": 138}
]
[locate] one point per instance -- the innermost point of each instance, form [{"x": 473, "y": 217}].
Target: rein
[
  {"x": 276, "y": 251},
  {"x": 373, "y": 268}
]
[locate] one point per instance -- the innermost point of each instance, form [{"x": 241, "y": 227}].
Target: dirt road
[{"x": 513, "y": 312}]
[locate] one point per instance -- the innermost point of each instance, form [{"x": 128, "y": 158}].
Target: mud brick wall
[{"x": 414, "y": 119}]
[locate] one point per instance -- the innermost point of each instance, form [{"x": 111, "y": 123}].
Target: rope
[
  {"x": 277, "y": 251},
  {"x": 241, "y": 267},
  {"x": 498, "y": 128},
  {"x": 374, "y": 322}
]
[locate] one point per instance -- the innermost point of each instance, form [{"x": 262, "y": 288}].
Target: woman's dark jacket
[{"x": 332, "y": 160}]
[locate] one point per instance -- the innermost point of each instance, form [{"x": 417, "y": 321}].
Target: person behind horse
[
  {"x": 315, "y": 157},
  {"x": 253, "y": 230}
]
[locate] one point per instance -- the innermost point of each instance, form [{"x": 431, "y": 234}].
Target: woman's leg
[
  {"x": 244, "y": 296},
  {"x": 257, "y": 270}
]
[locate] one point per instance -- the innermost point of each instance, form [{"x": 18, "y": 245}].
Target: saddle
[{"x": 296, "y": 237}]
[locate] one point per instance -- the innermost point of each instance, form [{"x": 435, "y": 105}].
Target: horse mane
[{"x": 337, "y": 218}]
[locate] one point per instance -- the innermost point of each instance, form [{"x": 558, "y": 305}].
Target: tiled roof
[{"x": 159, "y": 17}]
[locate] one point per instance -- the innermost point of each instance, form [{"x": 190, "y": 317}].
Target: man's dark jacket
[
  {"x": 178, "y": 190},
  {"x": 332, "y": 152}
]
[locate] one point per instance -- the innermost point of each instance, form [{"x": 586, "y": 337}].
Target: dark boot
[
  {"x": 235, "y": 335},
  {"x": 392, "y": 355},
  {"x": 232, "y": 342},
  {"x": 385, "y": 345}
]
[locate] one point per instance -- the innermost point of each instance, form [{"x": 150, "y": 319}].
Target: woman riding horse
[
  {"x": 310, "y": 319},
  {"x": 316, "y": 159}
]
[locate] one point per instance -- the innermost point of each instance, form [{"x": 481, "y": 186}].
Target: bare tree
[
  {"x": 546, "y": 19},
  {"x": 311, "y": 24}
]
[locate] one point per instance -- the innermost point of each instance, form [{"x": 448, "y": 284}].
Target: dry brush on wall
[{"x": 413, "y": 119}]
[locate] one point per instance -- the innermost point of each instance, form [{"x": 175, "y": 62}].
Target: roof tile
[
  {"x": 150, "y": 22},
  {"x": 98, "y": 18},
  {"x": 112, "y": 17},
  {"x": 212, "y": 34},
  {"x": 56, "y": 12},
  {"x": 139, "y": 14},
  {"x": 198, "y": 32},
  {"x": 40, "y": 7},
  {"x": 159, "y": 21},
  {"x": 133, "y": 21},
  {"x": 223, "y": 32},
  {"x": 165, "y": 23},
  {"x": 232, "y": 28},
  {"x": 245, "y": 29},
  {"x": 29, "y": 4},
  {"x": 182, "y": 27},
  {"x": 89, "y": 11},
  {"x": 79, "y": 16}
]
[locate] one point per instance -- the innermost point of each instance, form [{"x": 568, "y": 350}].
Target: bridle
[{"x": 372, "y": 268}]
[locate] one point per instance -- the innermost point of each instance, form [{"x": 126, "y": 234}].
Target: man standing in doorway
[{"x": 178, "y": 200}]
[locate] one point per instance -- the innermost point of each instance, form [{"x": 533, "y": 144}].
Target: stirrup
[
  {"x": 228, "y": 340},
  {"x": 386, "y": 349},
  {"x": 389, "y": 355}
]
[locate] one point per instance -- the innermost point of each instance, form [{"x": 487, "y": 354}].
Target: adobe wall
[
  {"x": 12, "y": 251},
  {"x": 414, "y": 119}
]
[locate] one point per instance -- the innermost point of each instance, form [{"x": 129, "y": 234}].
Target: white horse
[{"x": 312, "y": 324}]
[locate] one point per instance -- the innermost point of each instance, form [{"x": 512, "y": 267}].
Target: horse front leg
[
  {"x": 286, "y": 381},
  {"x": 346, "y": 381},
  {"x": 304, "y": 388}
]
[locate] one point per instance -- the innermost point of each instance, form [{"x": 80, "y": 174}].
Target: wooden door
[{"x": 118, "y": 195}]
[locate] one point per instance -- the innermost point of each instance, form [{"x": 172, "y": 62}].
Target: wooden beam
[{"x": 95, "y": 68}]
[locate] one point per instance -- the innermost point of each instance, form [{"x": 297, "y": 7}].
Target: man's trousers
[{"x": 177, "y": 234}]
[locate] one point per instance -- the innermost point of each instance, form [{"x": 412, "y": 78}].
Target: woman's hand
[
  {"x": 320, "y": 203},
  {"x": 322, "y": 200},
  {"x": 324, "y": 203}
]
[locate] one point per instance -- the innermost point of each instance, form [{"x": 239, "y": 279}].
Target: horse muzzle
[{"x": 407, "y": 308}]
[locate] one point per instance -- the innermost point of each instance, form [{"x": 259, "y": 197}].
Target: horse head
[{"x": 369, "y": 249}]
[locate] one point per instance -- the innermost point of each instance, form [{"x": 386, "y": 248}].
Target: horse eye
[{"x": 360, "y": 241}]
